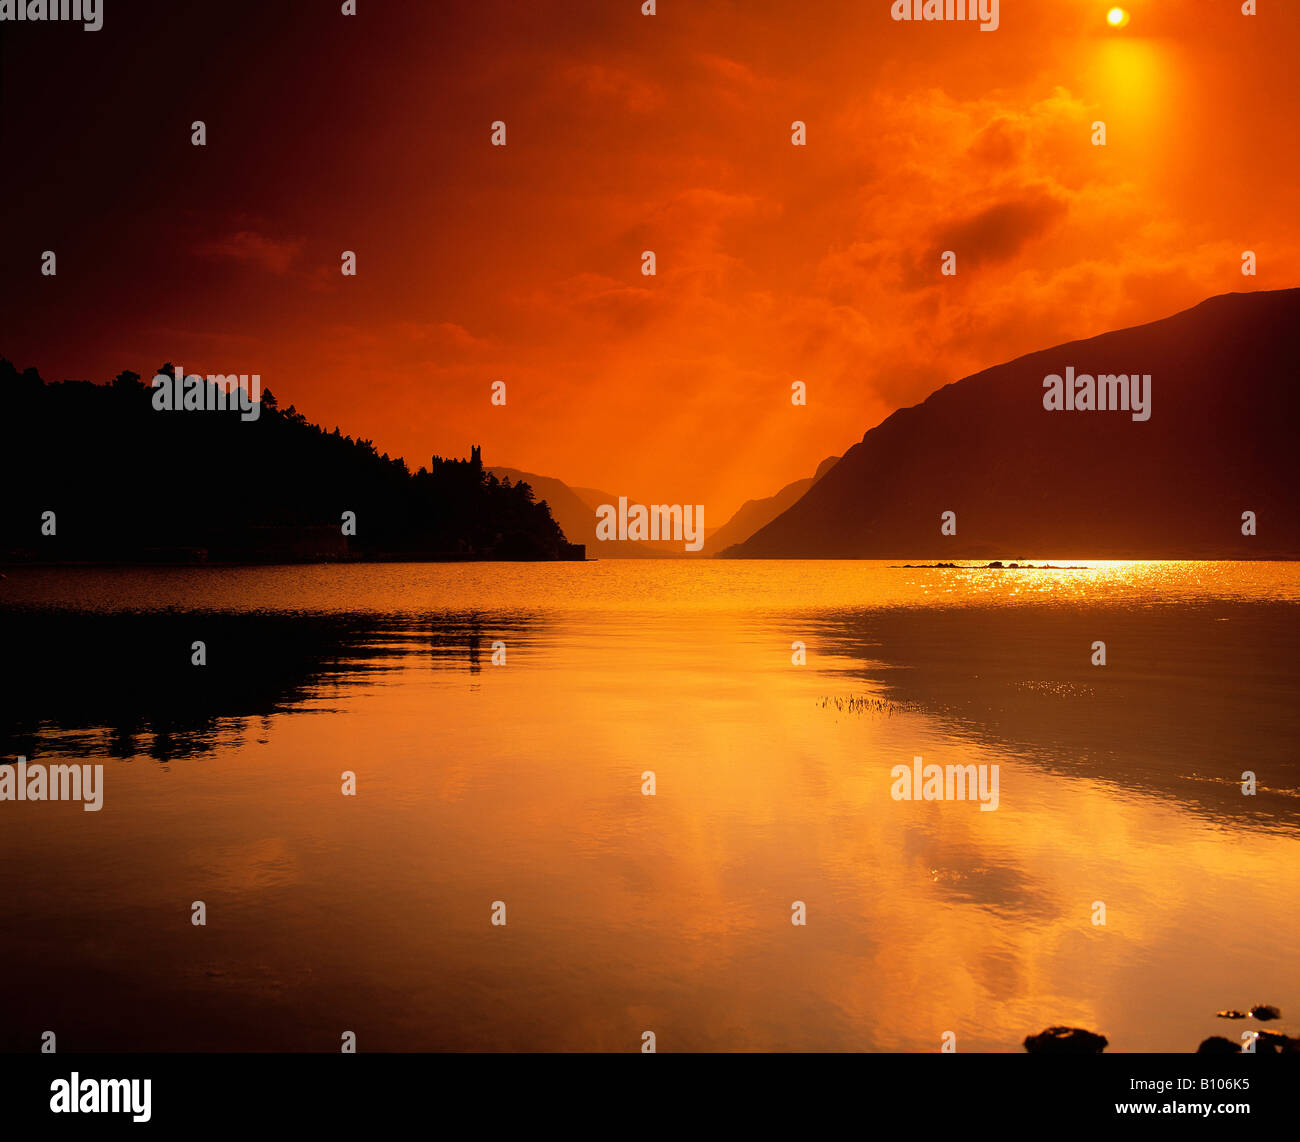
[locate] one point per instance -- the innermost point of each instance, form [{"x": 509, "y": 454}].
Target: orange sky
[{"x": 628, "y": 133}]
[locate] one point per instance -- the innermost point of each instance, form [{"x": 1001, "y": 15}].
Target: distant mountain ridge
[
  {"x": 755, "y": 514},
  {"x": 1028, "y": 482},
  {"x": 574, "y": 509}
]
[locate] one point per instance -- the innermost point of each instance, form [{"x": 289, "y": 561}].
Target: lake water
[{"x": 521, "y": 782}]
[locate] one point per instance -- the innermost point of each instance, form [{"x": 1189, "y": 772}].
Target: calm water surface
[{"x": 522, "y": 782}]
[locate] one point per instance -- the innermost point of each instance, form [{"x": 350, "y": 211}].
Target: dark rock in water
[
  {"x": 1065, "y": 1041},
  {"x": 1265, "y": 1011},
  {"x": 1271, "y": 1043},
  {"x": 1231, "y": 1014},
  {"x": 1015, "y": 566},
  {"x": 1218, "y": 1045},
  {"x": 995, "y": 563}
]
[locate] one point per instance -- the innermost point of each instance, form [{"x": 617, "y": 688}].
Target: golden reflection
[{"x": 523, "y": 783}]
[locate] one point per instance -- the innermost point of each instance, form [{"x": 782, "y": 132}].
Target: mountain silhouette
[
  {"x": 1026, "y": 481},
  {"x": 574, "y": 509},
  {"x": 754, "y": 514}
]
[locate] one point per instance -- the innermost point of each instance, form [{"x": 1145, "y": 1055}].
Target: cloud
[
  {"x": 1000, "y": 141},
  {"x": 443, "y": 336},
  {"x": 730, "y": 72},
  {"x": 1000, "y": 231},
  {"x": 605, "y": 84},
  {"x": 251, "y": 248}
]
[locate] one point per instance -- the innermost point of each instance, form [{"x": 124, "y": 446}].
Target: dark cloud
[{"x": 1000, "y": 231}]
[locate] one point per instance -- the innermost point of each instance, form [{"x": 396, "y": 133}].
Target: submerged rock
[
  {"x": 1218, "y": 1045},
  {"x": 1065, "y": 1041},
  {"x": 1231, "y": 1014},
  {"x": 1264, "y": 1011}
]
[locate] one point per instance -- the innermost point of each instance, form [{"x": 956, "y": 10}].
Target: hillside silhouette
[
  {"x": 129, "y": 482},
  {"x": 575, "y": 511},
  {"x": 1025, "y": 481},
  {"x": 754, "y": 514}
]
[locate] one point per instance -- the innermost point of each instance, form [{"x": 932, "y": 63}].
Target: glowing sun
[{"x": 1117, "y": 17}]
